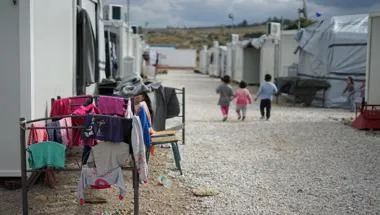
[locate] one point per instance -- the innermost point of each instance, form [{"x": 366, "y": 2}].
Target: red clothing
[
  {"x": 66, "y": 106},
  {"x": 78, "y": 121},
  {"x": 61, "y": 107},
  {"x": 37, "y": 135},
  {"x": 243, "y": 97}
]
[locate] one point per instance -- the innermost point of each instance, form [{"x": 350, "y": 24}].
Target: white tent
[
  {"x": 333, "y": 49},
  {"x": 373, "y": 64},
  {"x": 288, "y": 57}
]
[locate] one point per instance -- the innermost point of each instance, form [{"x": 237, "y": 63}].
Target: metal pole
[
  {"x": 109, "y": 54},
  {"x": 183, "y": 115},
  {"x": 24, "y": 183},
  {"x": 128, "y": 25},
  {"x": 136, "y": 184}
]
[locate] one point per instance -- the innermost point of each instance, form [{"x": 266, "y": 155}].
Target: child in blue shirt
[{"x": 265, "y": 93}]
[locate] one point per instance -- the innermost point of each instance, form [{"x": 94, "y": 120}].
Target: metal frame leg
[
  {"x": 183, "y": 116},
  {"x": 177, "y": 156},
  {"x": 24, "y": 180},
  {"x": 136, "y": 184}
]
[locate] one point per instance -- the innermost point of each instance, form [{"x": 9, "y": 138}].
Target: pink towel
[
  {"x": 109, "y": 105},
  {"x": 66, "y": 133}
]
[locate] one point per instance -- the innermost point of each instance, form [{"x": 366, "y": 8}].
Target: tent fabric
[{"x": 333, "y": 49}]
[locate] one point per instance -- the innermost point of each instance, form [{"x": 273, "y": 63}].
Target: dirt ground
[{"x": 154, "y": 198}]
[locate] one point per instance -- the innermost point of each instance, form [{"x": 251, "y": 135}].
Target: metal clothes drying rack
[
  {"x": 183, "y": 115},
  {"x": 26, "y": 183}
]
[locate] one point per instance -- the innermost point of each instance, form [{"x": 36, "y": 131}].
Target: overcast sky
[{"x": 162, "y": 13}]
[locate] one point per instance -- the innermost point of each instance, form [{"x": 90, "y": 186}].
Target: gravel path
[{"x": 299, "y": 162}]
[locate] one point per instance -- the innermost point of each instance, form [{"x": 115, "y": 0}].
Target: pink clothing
[
  {"x": 66, "y": 133},
  {"x": 109, "y": 105},
  {"x": 224, "y": 110},
  {"x": 243, "y": 97},
  {"x": 38, "y": 133}
]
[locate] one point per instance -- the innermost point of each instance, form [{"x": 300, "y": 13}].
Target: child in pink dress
[{"x": 243, "y": 98}]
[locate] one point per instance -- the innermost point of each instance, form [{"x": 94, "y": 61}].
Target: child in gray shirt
[{"x": 226, "y": 95}]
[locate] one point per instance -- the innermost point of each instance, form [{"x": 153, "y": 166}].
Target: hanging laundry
[
  {"x": 111, "y": 105},
  {"x": 54, "y": 132},
  {"x": 172, "y": 103},
  {"x": 86, "y": 57},
  {"x": 79, "y": 121},
  {"x": 108, "y": 156},
  {"x": 138, "y": 147},
  {"x": 46, "y": 154},
  {"x": 130, "y": 86},
  {"x": 66, "y": 133},
  {"x": 78, "y": 101},
  {"x": 61, "y": 107},
  {"x": 105, "y": 128},
  {"x": 165, "y": 105},
  {"x": 146, "y": 109},
  {"x": 37, "y": 133},
  {"x": 128, "y": 112},
  {"x": 145, "y": 126},
  {"x": 89, "y": 179},
  {"x": 67, "y": 106}
]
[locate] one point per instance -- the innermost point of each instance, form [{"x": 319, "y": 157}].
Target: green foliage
[{"x": 304, "y": 23}]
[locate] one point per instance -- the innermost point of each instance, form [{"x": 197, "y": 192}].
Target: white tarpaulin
[{"x": 333, "y": 49}]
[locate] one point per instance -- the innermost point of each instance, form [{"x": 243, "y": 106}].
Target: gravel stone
[{"x": 299, "y": 162}]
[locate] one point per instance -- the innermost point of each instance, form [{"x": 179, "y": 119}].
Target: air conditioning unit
[
  {"x": 113, "y": 12},
  {"x": 274, "y": 30}
]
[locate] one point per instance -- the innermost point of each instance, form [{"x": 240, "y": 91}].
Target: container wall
[
  {"x": 53, "y": 51},
  {"x": 373, "y": 71},
  {"x": 10, "y": 89}
]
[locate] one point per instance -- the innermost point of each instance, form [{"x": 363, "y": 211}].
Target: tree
[
  {"x": 304, "y": 23},
  {"x": 243, "y": 23}
]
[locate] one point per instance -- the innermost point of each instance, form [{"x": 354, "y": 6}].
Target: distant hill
[{"x": 196, "y": 37}]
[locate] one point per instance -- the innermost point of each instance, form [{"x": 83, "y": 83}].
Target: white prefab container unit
[
  {"x": 123, "y": 45},
  {"x": 373, "y": 60},
  {"x": 137, "y": 48},
  {"x": 231, "y": 50},
  {"x": 269, "y": 58},
  {"x": 37, "y": 46},
  {"x": 214, "y": 60},
  {"x": 95, "y": 12},
  {"x": 203, "y": 60},
  {"x": 254, "y": 58},
  {"x": 247, "y": 63},
  {"x": 222, "y": 61},
  {"x": 288, "y": 57},
  {"x": 229, "y": 59}
]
